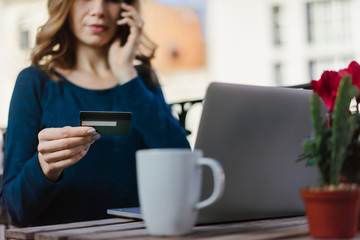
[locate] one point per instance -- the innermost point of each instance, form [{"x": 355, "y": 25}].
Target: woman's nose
[{"x": 98, "y": 8}]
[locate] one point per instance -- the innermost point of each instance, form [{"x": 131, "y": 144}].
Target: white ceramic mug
[{"x": 169, "y": 184}]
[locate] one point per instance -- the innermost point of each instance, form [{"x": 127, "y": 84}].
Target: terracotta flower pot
[{"x": 332, "y": 214}]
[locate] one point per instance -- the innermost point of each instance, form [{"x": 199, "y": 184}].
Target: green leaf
[
  {"x": 342, "y": 128},
  {"x": 315, "y": 110}
]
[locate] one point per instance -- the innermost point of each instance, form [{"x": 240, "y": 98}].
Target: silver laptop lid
[{"x": 256, "y": 133}]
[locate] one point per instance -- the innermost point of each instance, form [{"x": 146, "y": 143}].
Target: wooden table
[{"x": 121, "y": 228}]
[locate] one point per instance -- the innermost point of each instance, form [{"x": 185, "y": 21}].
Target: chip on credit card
[{"x": 107, "y": 123}]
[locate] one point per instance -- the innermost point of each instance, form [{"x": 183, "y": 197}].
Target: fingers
[
  {"x": 62, "y": 147},
  {"x": 62, "y": 143},
  {"x": 135, "y": 30},
  {"x": 65, "y": 132},
  {"x": 69, "y": 153},
  {"x": 65, "y": 143},
  {"x": 131, "y": 12},
  {"x": 132, "y": 18},
  {"x": 53, "y": 170},
  {"x": 68, "y": 162}
]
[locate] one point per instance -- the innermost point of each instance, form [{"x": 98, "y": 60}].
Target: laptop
[{"x": 255, "y": 132}]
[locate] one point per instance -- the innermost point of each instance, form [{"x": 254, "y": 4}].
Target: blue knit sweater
[{"x": 106, "y": 176}]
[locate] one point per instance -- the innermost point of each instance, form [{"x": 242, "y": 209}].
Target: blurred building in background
[
  {"x": 19, "y": 20},
  {"x": 180, "y": 59},
  {"x": 280, "y": 42},
  {"x": 261, "y": 42}
]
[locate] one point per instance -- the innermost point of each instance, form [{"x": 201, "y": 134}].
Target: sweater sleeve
[
  {"x": 25, "y": 190},
  {"x": 152, "y": 116}
]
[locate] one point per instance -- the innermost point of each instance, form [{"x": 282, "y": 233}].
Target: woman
[{"x": 55, "y": 171}]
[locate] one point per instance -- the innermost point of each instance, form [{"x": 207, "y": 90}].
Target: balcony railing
[{"x": 182, "y": 108}]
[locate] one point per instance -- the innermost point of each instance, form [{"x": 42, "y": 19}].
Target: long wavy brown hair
[{"x": 55, "y": 43}]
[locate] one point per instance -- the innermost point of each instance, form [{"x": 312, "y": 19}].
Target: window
[
  {"x": 329, "y": 21},
  {"x": 276, "y": 20},
  {"x": 317, "y": 66},
  {"x": 278, "y": 74},
  {"x": 24, "y": 39},
  {"x": 24, "y": 24}
]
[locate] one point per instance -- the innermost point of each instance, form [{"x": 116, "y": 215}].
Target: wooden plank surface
[
  {"x": 29, "y": 232},
  {"x": 65, "y": 234},
  {"x": 118, "y": 228},
  {"x": 263, "y": 229},
  {"x": 278, "y": 233}
]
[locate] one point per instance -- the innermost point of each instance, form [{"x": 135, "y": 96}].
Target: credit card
[{"x": 107, "y": 123}]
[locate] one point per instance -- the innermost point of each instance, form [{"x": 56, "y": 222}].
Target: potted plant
[{"x": 332, "y": 207}]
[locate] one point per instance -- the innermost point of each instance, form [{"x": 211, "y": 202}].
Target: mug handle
[{"x": 219, "y": 181}]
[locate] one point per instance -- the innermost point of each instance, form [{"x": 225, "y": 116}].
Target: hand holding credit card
[{"x": 107, "y": 123}]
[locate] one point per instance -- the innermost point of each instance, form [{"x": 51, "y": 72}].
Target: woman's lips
[{"x": 98, "y": 28}]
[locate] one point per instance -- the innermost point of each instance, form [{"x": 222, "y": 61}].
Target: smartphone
[{"x": 124, "y": 30}]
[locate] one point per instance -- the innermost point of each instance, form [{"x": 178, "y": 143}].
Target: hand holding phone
[
  {"x": 123, "y": 49},
  {"x": 124, "y": 30}
]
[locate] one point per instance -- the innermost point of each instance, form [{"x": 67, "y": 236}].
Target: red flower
[
  {"x": 327, "y": 87},
  {"x": 354, "y": 70}
]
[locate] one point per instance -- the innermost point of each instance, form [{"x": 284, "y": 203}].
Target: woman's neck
[
  {"x": 92, "y": 60},
  {"x": 92, "y": 70}
]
